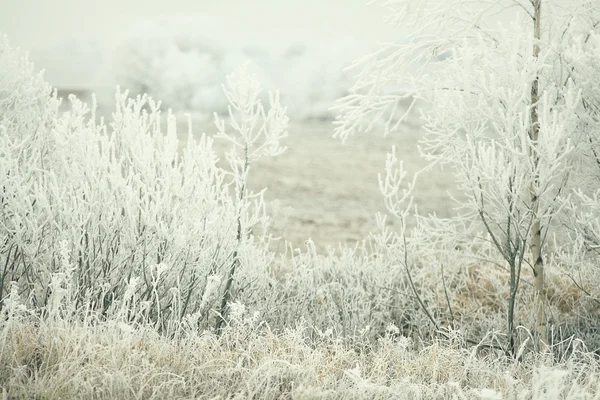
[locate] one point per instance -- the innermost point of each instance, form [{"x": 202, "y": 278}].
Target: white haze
[
  {"x": 65, "y": 34},
  {"x": 300, "y": 48}
]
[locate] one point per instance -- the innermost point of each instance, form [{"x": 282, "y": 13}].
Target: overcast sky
[
  {"x": 46, "y": 28},
  {"x": 38, "y": 23}
]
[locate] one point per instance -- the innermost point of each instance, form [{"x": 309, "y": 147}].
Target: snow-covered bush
[{"x": 121, "y": 216}]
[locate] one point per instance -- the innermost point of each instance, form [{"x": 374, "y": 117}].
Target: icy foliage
[{"x": 119, "y": 214}]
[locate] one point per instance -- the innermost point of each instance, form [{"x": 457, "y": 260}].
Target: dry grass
[{"x": 60, "y": 360}]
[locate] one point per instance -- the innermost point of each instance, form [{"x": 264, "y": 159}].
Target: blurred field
[{"x": 328, "y": 190}]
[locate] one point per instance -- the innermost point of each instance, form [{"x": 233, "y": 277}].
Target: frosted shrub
[
  {"x": 253, "y": 133},
  {"x": 114, "y": 217}
]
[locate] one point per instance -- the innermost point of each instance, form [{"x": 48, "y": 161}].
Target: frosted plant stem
[{"x": 234, "y": 264}]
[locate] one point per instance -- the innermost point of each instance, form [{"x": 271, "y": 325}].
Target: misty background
[{"x": 180, "y": 51}]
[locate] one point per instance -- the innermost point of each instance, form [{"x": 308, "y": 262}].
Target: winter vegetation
[{"x": 133, "y": 265}]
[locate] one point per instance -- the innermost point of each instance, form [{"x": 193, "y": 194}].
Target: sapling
[{"x": 253, "y": 133}]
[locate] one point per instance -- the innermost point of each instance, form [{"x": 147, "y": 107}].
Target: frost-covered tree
[{"x": 511, "y": 108}]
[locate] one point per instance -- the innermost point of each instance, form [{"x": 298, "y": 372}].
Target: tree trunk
[{"x": 536, "y": 242}]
